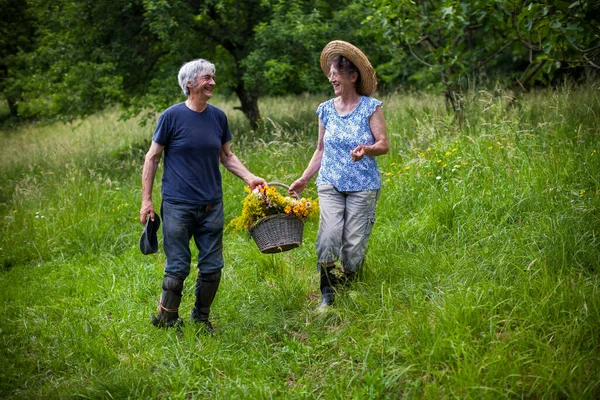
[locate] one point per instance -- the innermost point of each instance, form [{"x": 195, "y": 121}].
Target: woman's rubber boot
[
  {"x": 168, "y": 309},
  {"x": 206, "y": 290},
  {"x": 348, "y": 278},
  {"x": 328, "y": 281}
]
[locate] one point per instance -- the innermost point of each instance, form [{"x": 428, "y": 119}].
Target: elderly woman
[{"x": 351, "y": 134}]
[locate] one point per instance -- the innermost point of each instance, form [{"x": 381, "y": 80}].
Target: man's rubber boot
[
  {"x": 327, "y": 284},
  {"x": 168, "y": 309},
  {"x": 206, "y": 290}
]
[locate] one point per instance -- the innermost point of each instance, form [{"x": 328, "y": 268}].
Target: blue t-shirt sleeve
[
  {"x": 226, "y": 131},
  {"x": 162, "y": 131}
]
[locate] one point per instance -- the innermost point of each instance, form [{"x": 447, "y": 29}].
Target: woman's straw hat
[{"x": 368, "y": 81}]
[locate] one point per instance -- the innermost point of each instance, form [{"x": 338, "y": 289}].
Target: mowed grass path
[{"x": 481, "y": 279}]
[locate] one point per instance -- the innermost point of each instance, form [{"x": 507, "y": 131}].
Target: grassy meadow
[{"x": 481, "y": 279}]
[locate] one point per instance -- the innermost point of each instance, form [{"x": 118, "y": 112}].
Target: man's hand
[
  {"x": 147, "y": 208},
  {"x": 256, "y": 182}
]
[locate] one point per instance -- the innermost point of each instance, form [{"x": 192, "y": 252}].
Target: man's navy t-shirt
[{"x": 192, "y": 142}]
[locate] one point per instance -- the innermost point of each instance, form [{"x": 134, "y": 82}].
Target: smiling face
[
  {"x": 203, "y": 86},
  {"x": 343, "y": 83}
]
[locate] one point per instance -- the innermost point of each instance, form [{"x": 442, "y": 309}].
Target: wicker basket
[{"x": 277, "y": 233}]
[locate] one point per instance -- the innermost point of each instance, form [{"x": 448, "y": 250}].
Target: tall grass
[{"x": 481, "y": 279}]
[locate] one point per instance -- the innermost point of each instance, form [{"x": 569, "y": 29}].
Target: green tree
[
  {"x": 557, "y": 34},
  {"x": 220, "y": 30},
  {"x": 71, "y": 58},
  {"x": 446, "y": 44},
  {"x": 461, "y": 43},
  {"x": 93, "y": 53},
  {"x": 286, "y": 58},
  {"x": 89, "y": 54},
  {"x": 16, "y": 37}
]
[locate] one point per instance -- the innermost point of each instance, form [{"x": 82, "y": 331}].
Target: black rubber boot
[
  {"x": 168, "y": 309},
  {"x": 327, "y": 285},
  {"x": 206, "y": 290},
  {"x": 348, "y": 278}
]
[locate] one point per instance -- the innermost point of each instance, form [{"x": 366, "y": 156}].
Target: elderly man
[{"x": 195, "y": 138}]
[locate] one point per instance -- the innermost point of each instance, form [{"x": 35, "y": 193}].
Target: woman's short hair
[
  {"x": 345, "y": 66},
  {"x": 192, "y": 70}
]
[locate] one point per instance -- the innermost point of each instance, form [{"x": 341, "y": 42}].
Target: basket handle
[{"x": 285, "y": 187}]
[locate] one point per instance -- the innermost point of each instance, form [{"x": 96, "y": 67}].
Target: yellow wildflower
[{"x": 267, "y": 201}]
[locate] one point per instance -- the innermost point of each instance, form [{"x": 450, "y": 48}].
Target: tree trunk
[
  {"x": 248, "y": 96},
  {"x": 12, "y": 106},
  {"x": 249, "y": 104}
]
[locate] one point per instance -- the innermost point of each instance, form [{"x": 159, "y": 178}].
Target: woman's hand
[
  {"x": 298, "y": 186},
  {"x": 359, "y": 152}
]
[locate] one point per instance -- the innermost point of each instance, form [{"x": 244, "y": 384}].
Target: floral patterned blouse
[{"x": 342, "y": 134}]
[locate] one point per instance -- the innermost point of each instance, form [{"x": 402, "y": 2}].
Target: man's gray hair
[{"x": 192, "y": 70}]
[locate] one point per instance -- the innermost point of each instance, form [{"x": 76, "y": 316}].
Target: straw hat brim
[{"x": 368, "y": 80}]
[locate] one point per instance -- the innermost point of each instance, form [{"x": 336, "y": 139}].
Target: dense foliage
[
  {"x": 71, "y": 58},
  {"x": 455, "y": 44}
]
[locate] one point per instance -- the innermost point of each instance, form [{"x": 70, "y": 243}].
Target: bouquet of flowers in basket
[{"x": 265, "y": 201}]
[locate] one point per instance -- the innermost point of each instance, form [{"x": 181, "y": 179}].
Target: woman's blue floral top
[{"x": 342, "y": 134}]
